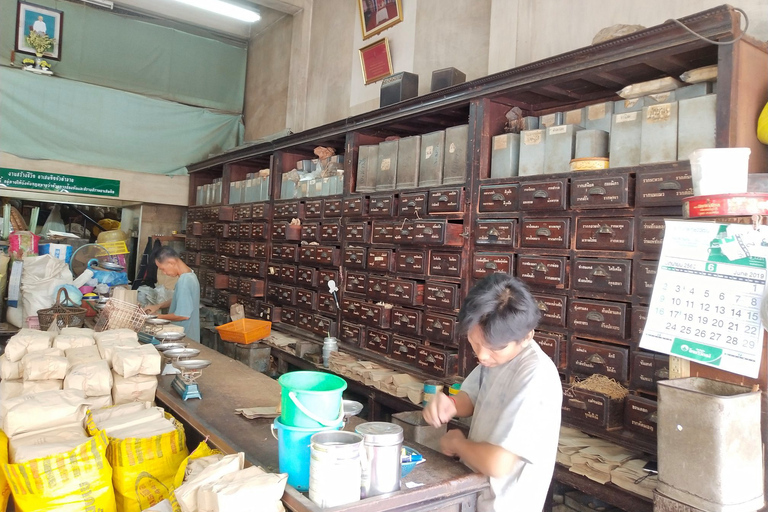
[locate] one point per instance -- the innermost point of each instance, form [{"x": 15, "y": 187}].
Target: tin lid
[{"x": 380, "y": 433}]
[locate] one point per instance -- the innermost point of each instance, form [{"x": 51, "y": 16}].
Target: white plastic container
[
  {"x": 720, "y": 171},
  {"x": 335, "y": 471}
]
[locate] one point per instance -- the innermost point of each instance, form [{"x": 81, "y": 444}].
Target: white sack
[
  {"x": 31, "y": 387},
  {"x": 56, "y": 440},
  {"x": 115, "y": 334},
  {"x": 40, "y": 277},
  {"x": 10, "y": 389},
  {"x": 48, "y": 364},
  {"x": 118, "y": 410},
  {"x": 145, "y": 360},
  {"x": 129, "y": 420},
  {"x": 107, "y": 346},
  {"x": 186, "y": 494},
  {"x": 195, "y": 466},
  {"x": 67, "y": 341},
  {"x": 163, "y": 506},
  {"x": 42, "y": 410},
  {"x": 99, "y": 402},
  {"x": 10, "y": 370},
  {"x": 82, "y": 355},
  {"x": 25, "y": 341},
  {"x": 145, "y": 430},
  {"x": 25, "y": 453},
  {"x": 140, "y": 388},
  {"x": 240, "y": 490},
  {"x": 94, "y": 379},
  {"x": 77, "y": 331}
]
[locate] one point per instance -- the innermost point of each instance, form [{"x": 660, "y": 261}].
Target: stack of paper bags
[
  {"x": 134, "y": 372},
  {"x": 630, "y": 476},
  {"x": 43, "y": 370},
  {"x": 597, "y": 462},
  {"x": 571, "y": 441},
  {"x": 24, "y": 342}
]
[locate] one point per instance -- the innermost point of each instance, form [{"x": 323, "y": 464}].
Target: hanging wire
[{"x": 718, "y": 43}]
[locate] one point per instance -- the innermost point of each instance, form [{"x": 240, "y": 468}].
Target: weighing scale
[
  {"x": 190, "y": 371},
  {"x": 168, "y": 368}
]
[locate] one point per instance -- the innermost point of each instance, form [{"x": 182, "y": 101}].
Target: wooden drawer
[
  {"x": 306, "y": 276},
  {"x": 641, "y": 416},
  {"x": 324, "y": 276},
  {"x": 332, "y": 208},
  {"x": 496, "y": 232},
  {"x": 549, "y": 271},
  {"x": 330, "y": 232},
  {"x": 543, "y": 195},
  {"x": 593, "y": 409},
  {"x": 382, "y": 232},
  {"x": 375, "y": 315},
  {"x": 356, "y": 282},
  {"x": 487, "y": 263},
  {"x": 498, "y": 198},
  {"x": 288, "y": 273},
  {"x": 381, "y": 206},
  {"x": 647, "y": 369},
  {"x": 251, "y": 287},
  {"x": 254, "y": 268},
  {"x": 441, "y": 363},
  {"x": 191, "y": 258},
  {"x": 229, "y": 247},
  {"x": 352, "y": 334},
  {"x": 280, "y": 294},
  {"x": 288, "y": 316},
  {"x": 355, "y": 257},
  {"x": 613, "y": 191},
  {"x": 233, "y": 284},
  {"x": 310, "y": 232},
  {"x": 446, "y": 264},
  {"x": 603, "y": 276},
  {"x": 412, "y": 204},
  {"x": 258, "y": 230},
  {"x": 645, "y": 275},
  {"x": 285, "y": 252},
  {"x": 353, "y": 207},
  {"x": 406, "y": 321},
  {"x": 357, "y": 232},
  {"x": 554, "y": 346},
  {"x": 260, "y": 211},
  {"x": 665, "y": 188},
  {"x": 327, "y": 255},
  {"x": 307, "y": 254},
  {"x": 449, "y": 200},
  {"x": 378, "y": 341},
  {"x": 243, "y": 212},
  {"x": 650, "y": 235},
  {"x": 411, "y": 261},
  {"x": 193, "y": 244},
  {"x": 587, "y": 358},
  {"x": 211, "y": 244},
  {"x": 440, "y": 329},
  {"x": 305, "y": 320},
  {"x": 404, "y": 291},
  {"x": 245, "y": 230},
  {"x": 225, "y": 213},
  {"x": 550, "y": 233},
  {"x": 273, "y": 271},
  {"x": 599, "y": 318},
  {"x": 605, "y": 234},
  {"x": 313, "y": 209},
  {"x": 253, "y": 249},
  {"x": 234, "y": 266},
  {"x": 209, "y": 279},
  {"x": 208, "y": 229},
  {"x": 326, "y": 303},
  {"x": 352, "y": 309},
  {"x": 223, "y": 231},
  {"x": 405, "y": 350},
  {"x": 282, "y": 230},
  {"x": 552, "y": 309},
  {"x": 639, "y": 317},
  {"x": 382, "y": 260},
  {"x": 250, "y": 306},
  {"x": 288, "y": 210},
  {"x": 377, "y": 288},
  {"x": 306, "y": 299},
  {"x": 323, "y": 326},
  {"x": 441, "y": 295},
  {"x": 222, "y": 263},
  {"x": 195, "y": 229},
  {"x": 207, "y": 260},
  {"x": 268, "y": 312},
  {"x": 429, "y": 232}
]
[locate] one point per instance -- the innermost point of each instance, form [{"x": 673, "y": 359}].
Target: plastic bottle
[{"x": 329, "y": 345}]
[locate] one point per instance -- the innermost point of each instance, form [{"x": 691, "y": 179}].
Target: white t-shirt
[{"x": 517, "y": 407}]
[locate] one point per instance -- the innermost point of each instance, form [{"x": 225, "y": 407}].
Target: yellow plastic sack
[
  {"x": 76, "y": 481},
  {"x": 143, "y": 469},
  {"x": 202, "y": 450},
  {"x": 5, "y": 488}
]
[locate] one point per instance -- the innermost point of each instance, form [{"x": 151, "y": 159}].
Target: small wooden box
[
  {"x": 543, "y": 195},
  {"x": 593, "y": 409}
]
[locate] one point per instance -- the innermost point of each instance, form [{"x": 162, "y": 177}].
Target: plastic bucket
[
  {"x": 334, "y": 469},
  {"x": 293, "y": 451},
  {"x": 720, "y": 171},
  {"x": 311, "y": 399}
]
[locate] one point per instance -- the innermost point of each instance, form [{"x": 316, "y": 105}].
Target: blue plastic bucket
[
  {"x": 311, "y": 399},
  {"x": 293, "y": 451}
]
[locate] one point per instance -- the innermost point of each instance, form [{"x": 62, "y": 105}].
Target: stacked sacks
[
  {"x": 135, "y": 373},
  {"x": 26, "y": 341},
  {"x": 43, "y": 370}
]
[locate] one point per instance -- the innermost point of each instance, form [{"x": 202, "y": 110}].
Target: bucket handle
[
  {"x": 307, "y": 412},
  {"x": 273, "y": 429}
]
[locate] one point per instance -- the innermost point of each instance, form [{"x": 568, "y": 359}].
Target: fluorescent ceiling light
[
  {"x": 225, "y": 9},
  {"x": 103, "y": 3}
]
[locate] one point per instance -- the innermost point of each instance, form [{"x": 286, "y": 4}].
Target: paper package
[
  {"x": 10, "y": 370},
  {"x": 239, "y": 490},
  {"x": 129, "y": 420},
  {"x": 118, "y": 410},
  {"x": 115, "y": 334},
  {"x": 33, "y": 445},
  {"x": 94, "y": 379},
  {"x": 30, "y": 387},
  {"x": 99, "y": 402},
  {"x": 10, "y": 389},
  {"x": 186, "y": 493},
  {"x": 145, "y": 430},
  {"x": 83, "y": 355},
  {"x": 77, "y": 331},
  {"x": 42, "y": 410},
  {"x": 107, "y": 346},
  {"x": 25, "y": 341},
  {"x": 66, "y": 341},
  {"x": 48, "y": 364},
  {"x": 140, "y": 388},
  {"x": 145, "y": 360}
]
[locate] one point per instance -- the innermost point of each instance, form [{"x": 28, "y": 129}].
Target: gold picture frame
[
  {"x": 378, "y": 15},
  {"x": 376, "y": 61}
]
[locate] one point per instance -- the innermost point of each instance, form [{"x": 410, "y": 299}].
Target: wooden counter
[{"x": 227, "y": 385}]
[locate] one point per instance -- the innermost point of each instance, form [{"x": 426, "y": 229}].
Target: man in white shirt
[
  {"x": 39, "y": 25},
  {"x": 514, "y": 398}
]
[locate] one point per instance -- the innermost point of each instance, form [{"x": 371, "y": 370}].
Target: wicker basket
[
  {"x": 118, "y": 314},
  {"x": 65, "y": 316}
]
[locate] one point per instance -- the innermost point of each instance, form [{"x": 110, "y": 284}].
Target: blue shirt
[{"x": 186, "y": 302}]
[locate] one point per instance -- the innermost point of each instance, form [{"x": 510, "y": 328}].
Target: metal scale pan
[{"x": 191, "y": 370}]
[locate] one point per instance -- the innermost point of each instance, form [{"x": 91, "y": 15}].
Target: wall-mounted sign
[
  {"x": 50, "y": 182},
  {"x": 707, "y": 294}
]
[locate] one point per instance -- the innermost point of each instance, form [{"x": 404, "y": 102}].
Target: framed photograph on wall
[
  {"x": 376, "y": 61},
  {"x": 379, "y": 15},
  {"x": 36, "y": 18}
]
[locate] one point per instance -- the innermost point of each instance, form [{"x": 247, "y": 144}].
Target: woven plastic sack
[
  {"x": 76, "y": 481},
  {"x": 144, "y": 469},
  {"x": 5, "y": 488}
]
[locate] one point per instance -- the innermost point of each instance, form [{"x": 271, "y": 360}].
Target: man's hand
[
  {"x": 449, "y": 443},
  {"x": 151, "y": 310},
  {"x": 440, "y": 410}
]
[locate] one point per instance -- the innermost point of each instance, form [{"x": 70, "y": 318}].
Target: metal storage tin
[
  {"x": 548, "y": 120},
  {"x": 366, "y": 168},
  {"x": 532, "y": 152},
  {"x": 599, "y": 116},
  {"x": 386, "y": 172},
  {"x": 625, "y": 139},
  {"x": 560, "y": 147},
  {"x": 696, "y": 125},
  {"x": 658, "y": 137},
  {"x": 432, "y": 159},
  {"x": 624, "y": 106},
  {"x": 455, "y": 161},
  {"x": 591, "y": 143},
  {"x": 408, "y": 155},
  {"x": 381, "y": 468},
  {"x": 505, "y": 155}
]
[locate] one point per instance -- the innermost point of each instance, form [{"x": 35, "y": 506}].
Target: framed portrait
[
  {"x": 379, "y": 15},
  {"x": 31, "y": 17},
  {"x": 376, "y": 61}
]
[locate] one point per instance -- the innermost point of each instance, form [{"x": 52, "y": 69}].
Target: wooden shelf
[
  {"x": 609, "y": 493},
  {"x": 170, "y": 238}
]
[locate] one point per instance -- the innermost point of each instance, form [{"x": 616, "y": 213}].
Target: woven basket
[{"x": 65, "y": 316}]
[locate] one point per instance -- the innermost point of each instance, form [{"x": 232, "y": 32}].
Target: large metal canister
[{"x": 382, "y": 443}]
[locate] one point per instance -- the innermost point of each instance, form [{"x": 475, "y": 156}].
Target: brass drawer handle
[
  {"x": 376, "y": 339},
  {"x": 380, "y": 204},
  {"x": 442, "y": 199},
  {"x": 653, "y": 417},
  {"x": 405, "y": 232},
  {"x": 604, "y": 230},
  {"x": 427, "y": 231},
  {"x": 670, "y": 185},
  {"x": 430, "y": 359},
  {"x": 540, "y": 194},
  {"x": 540, "y": 267},
  {"x": 324, "y": 254},
  {"x": 377, "y": 287},
  {"x": 355, "y": 281},
  {"x": 542, "y": 306},
  {"x": 383, "y": 231},
  {"x": 353, "y": 257},
  {"x": 490, "y": 265},
  {"x": 399, "y": 289},
  {"x": 370, "y": 313},
  {"x": 326, "y": 278},
  {"x": 440, "y": 294},
  {"x": 600, "y": 272},
  {"x": 437, "y": 324},
  {"x": 493, "y": 233},
  {"x": 497, "y": 197},
  {"x": 596, "y": 191},
  {"x": 577, "y": 404},
  {"x": 352, "y": 308},
  {"x": 353, "y": 231},
  {"x": 308, "y": 252},
  {"x": 410, "y": 259},
  {"x": 594, "y": 315},
  {"x": 332, "y": 207},
  {"x": 544, "y": 232},
  {"x": 596, "y": 358},
  {"x": 411, "y": 204},
  {"x": 663, "y": 373},
  {"x": 403, "y": 348}
]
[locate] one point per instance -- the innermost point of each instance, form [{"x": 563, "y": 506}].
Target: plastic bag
[
  {"x": 40, "y": 277},
  {"x": 76, "y": 481},
  {"x": 54, "y": 222},
  {"x": 110, "y": 278},
  {"x": 5, "y": 487}
]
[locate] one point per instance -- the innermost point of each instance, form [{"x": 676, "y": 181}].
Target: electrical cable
[{"x": 718, "y": 43}]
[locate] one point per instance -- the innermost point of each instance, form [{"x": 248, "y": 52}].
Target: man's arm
[
  {"x": 441, "y": 409},
  {"x": 486, "y": 458},
  {"x": 157, "y": 307}
]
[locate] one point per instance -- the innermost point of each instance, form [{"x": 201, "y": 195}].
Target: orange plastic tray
[{"x": 245, "y": 330}]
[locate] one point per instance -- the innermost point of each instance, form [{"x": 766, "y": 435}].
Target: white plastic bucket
[
  {"x": 335, "y": 471},
  {"x": 720, "y": 171}
]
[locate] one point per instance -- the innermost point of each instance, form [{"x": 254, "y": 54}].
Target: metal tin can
[{"x": 382, "y": 443}]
